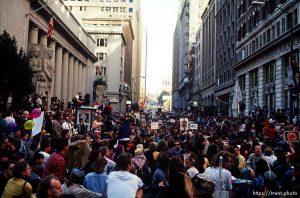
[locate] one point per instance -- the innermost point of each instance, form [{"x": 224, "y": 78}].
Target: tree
[
  {"x": 16, "y": 73},
  {"x": 160, "y": 97}
]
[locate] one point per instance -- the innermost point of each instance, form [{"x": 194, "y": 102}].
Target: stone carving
[
  {"x": 41, "y": 84},
  {"x": 35, "y": 62},
  {"x": 100, "y": 93},
  {"x": 42, "y": 67},
  {"x": 48, "y": 66}
]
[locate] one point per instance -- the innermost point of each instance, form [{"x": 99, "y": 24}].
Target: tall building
[
  {"x": 175, "y": 69},
  {"x": 268, "y": 43},
  {"x": 208, "y": 55},
  {"x": 115, "y": 26},
  {"x": 225, "y": 53},
  {"x": 183, "y": 47},
  {"x": 196, "y": 59},
  {"x": 68, "y": 55}
]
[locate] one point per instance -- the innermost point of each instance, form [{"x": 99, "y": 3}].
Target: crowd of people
[{"x": 121, "y": 156}]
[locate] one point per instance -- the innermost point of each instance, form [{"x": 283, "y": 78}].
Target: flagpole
[{"x": 43, "y": 6}]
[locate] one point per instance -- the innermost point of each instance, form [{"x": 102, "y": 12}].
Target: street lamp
[
  {"x": 290, "y": 70},
  {"x": 132, "y": 85}
]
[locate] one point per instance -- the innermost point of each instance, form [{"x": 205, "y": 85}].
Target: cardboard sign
[
  {"x": 194, "y": 126},
  {"x": 154, "y": 125},
  {"x": 292, "y": 136},
  {"x": 183, "y": 123}
]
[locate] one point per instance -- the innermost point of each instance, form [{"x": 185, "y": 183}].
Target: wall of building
[{"x": 69, "y": 43}]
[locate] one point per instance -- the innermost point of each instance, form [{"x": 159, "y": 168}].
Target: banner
[
  {"x": 237, "y": 98},
  {"x": 154, "y": 125},
  {"x": 38, "y": 124}
]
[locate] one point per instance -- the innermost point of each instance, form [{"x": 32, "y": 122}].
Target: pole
[
  {"x": 146, "y": 68},
  {"x": 294, "y": 73}
]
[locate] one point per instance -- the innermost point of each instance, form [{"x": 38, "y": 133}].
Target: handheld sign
[
  {"x": 194, "y": 126},
  {"x": 292, "y": 136},
  {"x": 154, "y": 125},
  {"x": 183, "y": 123}
]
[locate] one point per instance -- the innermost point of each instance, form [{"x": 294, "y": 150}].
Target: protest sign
[
  {"x": 292, "y": 136},
  {"x": 194, "y": 126},
  {"x": 154, "y": 125},
  {"x": 183, "y": 123}
]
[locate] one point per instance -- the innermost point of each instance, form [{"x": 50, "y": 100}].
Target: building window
[
  {"x": 268, "y": 35},
  {"x": 104, "y": 71},
  {"x": 283, "y": 25},
  {"x": 101, "y": 56},
  {"x": 80, "y": 8},
  {"x": 70, "y": 8},
  {"x": 278, "y": 28},
  {"x": 130, "y": 10},
  {"x": 269, "y": 73},
  {"x": 295, "y": 17},
  {"x": 102, "y": 42},
  {"x": 130, "y": 1}
]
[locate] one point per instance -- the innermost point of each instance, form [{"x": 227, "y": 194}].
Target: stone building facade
[
  {"x": 264, "y": 53},
  {"x": 225, "y": 53},
  {"x": 208, "y": 55},
  {"x": 62, "y": 62}
]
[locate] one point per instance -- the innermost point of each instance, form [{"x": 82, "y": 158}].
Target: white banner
[{"x": 38, "y": 124}]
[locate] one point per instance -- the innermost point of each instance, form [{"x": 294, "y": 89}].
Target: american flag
[{"x": 50, "y": 29}]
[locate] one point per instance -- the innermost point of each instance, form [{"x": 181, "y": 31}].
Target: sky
[{"x": 159, "y": 19}]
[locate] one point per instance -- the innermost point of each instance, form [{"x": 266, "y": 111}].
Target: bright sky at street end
[{"x": 159, "y": 19}]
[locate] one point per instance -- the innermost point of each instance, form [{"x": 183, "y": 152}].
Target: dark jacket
[{"x": 124, "y": 131}]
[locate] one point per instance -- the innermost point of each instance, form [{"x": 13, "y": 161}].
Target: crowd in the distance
[{"x": 120, "y": 156}]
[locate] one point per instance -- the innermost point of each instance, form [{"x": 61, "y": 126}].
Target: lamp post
[
  {"x": 291, "y": 105},
  {"x": 132, "y": 85}
]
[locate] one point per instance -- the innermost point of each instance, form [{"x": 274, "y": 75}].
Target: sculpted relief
[{"x": 42, "y": 67}]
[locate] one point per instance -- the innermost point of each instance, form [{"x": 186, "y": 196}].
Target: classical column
[
  {"x": 43, "y": 39},
  {"x": 58, "y": 72},
  {"x": 84, "y": 79},
  {"x": 64, "y": 83},
  {"x": 33, "y": 34},
  {"x": 279, "y": 84},
  {"x": 247, "y": 94},
  {"x": 51, "y": 91},
  {"x": 80, "y": 78},
  {"x": 71, "y": 77},
  {"x": 75, "y": 79},
  {"x": 261, "y": 94}
]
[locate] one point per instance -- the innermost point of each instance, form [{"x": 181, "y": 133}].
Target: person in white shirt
[
  {"x": 213, "y": 171},
  {"x": 45, "y": 150},
  {"x": 67, "y": 124},
  {"x": 269, "y": 156},
  {"x": 190, "y": 160},
  {"x": 122, "y": 183}
]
